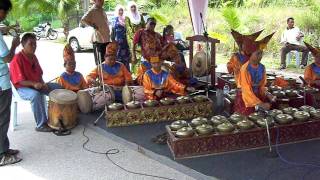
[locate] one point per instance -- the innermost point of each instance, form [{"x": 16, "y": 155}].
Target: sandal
[
  {"x": 12, "y": 151},
  {"x": 9, "y": 159}
]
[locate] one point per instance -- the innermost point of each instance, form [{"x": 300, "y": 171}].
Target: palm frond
[{"x": 231, "y": 17}]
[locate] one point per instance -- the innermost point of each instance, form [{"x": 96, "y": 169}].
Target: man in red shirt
[{"x": 26, "y": 76}]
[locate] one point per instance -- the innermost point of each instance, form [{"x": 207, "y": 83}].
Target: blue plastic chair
[{"x": 297, "y": 56}]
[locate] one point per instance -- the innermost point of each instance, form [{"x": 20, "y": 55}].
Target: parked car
[{"x": 80, "y": 37}]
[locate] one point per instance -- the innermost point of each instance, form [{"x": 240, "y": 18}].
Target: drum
[
  {"x": 130, "y": 93},
  {"x": 93, "y": 99},
  {"x": 63, "y": 109}
]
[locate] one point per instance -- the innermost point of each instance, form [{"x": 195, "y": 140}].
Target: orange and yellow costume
[
  {"x": 312, "y": 72},
  {"x": 73, "y": 81},
  {"x": 252, "y": 80},
  {"x": 115, "y": 75},
  {"x": 240, "y": 58},
  {"x": 161, "y": 80}
]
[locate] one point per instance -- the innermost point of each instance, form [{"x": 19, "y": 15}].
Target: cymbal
[{"x": 199, "y": 64}]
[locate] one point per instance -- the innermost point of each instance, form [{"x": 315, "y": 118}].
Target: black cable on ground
[
  {"x": 312, "y": 167},
  {"x": 112, "y": 152}
]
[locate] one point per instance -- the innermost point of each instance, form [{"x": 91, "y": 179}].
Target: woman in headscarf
[
  {"x": 119, "y": 35},
  {"x": 134, "y": 21}
]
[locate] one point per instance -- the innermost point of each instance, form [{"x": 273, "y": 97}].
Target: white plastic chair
[
  {"x": 14, "y": 107},
  {"x": 297, "y": 56}
]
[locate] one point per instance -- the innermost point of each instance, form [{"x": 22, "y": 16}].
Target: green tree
[{"x": 63, "y": 8}]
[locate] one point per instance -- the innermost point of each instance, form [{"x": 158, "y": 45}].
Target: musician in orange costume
[
  {"x": 71, "y": 79},
  {"x": 114, "y": 72},
  {"x": 157, "y": 82},
  {"x": 312, "y": 72},
  {"x": 252, "y": 80},
  {"x": 240, "y": 58}
]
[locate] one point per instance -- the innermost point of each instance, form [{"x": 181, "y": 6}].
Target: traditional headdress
[
  {"x": 240, "y": 38},
  {"x": 68, "y": 53},
  {"x": 111, "y": 49},
  {"x": 252, "y": 46},
  {"x": 314, "y": 51},
  {"x": 154, "y": 59}
]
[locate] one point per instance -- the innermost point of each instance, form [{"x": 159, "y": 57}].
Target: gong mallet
[
  {"x": 271, "y": 153},
  {"x": 304, "y": 89}
]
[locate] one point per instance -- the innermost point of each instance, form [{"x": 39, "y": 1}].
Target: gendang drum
[
  {"x": 63, "y": 109},
  {"x": 93, "y": 99},
  {"x": 130, "y": 93}
]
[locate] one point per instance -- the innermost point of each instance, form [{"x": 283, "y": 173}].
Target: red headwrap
[{"x": 68, "y": 53}]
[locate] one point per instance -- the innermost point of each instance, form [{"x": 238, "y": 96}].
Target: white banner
[{"x": 195, "y": 8}]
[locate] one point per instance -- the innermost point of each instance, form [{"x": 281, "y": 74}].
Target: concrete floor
[{"x": 47, "y": 156}]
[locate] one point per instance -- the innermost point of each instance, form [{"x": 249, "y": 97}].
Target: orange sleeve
[
  {"x": 308, "y": 75},
  {"x": 93, "y": 74},
  {"x": 83, "y": 84},
  {"x": 231, "y": 64},
  {"x": 147, "y": 86},
  {"x": 141, "y": 70},
  {"x": 249, "y": 98},
  {"x": 126, "y": 73},
  {"x": 175, "y": 87}
]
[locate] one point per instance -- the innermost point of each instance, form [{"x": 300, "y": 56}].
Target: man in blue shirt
[{"x": 7, "y": 156}]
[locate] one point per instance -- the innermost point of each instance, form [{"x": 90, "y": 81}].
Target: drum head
[
  {"x": 84, "y": 101},
  {"x": 126, "y": 94},
  {"x": 63, "y": 96},
  {"x": 199, "y": 65}
]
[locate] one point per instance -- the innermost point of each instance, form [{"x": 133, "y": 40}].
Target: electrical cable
[
  {"x": 113, "y": 151},
  {"x": 313, "y": 167}
]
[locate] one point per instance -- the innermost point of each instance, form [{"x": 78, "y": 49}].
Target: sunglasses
[{"x": 153, "y": 23}]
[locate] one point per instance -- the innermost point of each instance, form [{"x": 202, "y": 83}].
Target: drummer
[
  {"x": 115, "y": 73},
  {"x": 312, "y": 72},
  {"x": 241, "y": 57},
  {"x": 71, "y": 79},
  {"x": 157, "y": 82},
  {"x": 252, "y": 80}
]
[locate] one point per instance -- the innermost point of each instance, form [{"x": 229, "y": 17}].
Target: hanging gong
[{"x": 199, "y": 64}]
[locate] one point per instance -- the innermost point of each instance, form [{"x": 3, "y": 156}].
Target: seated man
[
  {"x": 26, "y": 76},
  {"x": 71, "y": 79},
  {"x": 290, "y": 40},
  {"x": 114, "y": 73},
  {"x": 312, "y": 72},
  {"x": 241, "y": 57},
  {"x": 157, "y": 82},
  {"x": 252, "y": 81}
]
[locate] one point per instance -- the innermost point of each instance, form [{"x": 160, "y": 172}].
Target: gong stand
[{"x": 209, "y": 42}]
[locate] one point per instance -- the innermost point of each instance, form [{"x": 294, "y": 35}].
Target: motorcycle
[{"x": 45, "y": 31}]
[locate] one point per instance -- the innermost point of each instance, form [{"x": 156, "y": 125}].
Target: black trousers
[
  {"x": 289, "y": 47},
  {"x": 5, "y": 107},
  {"x": 99, "y": 48}
]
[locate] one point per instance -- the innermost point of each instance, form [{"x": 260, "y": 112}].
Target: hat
[
  {"x": 154, "y": 59},
  {"x": 251, "y": 45},
  {"x": 68, "y": 53},
  {"x": 313, "y": 50},
  {"x": 111, "y": 49},
  {"x": 239, "y": 38}
]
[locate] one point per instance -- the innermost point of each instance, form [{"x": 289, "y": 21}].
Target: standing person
[
  {"x": 134, "y": 22},
  {"x": 120, "y": 36},
  {"x": 7, "y": 156},
  {"x": 26, "y": 76},
  {"x": 290, "y": 40},
  {"x": 97, "y": 18}
]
